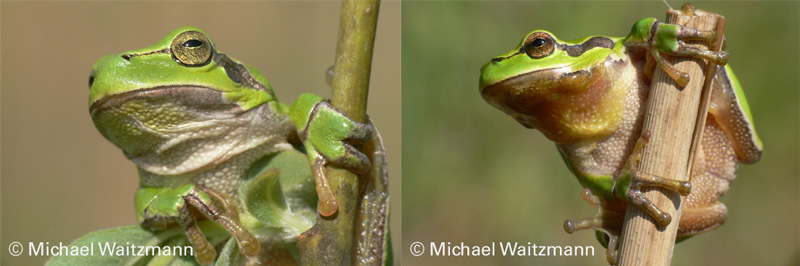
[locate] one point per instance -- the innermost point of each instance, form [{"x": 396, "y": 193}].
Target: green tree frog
[
  {"x": 588, "y": 96},
  {"x": 211, "y": 141}
]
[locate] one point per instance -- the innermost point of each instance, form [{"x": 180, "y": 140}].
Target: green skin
[
  {"x": 588, "y": 96},
  {"x": 199, "y": 126}
]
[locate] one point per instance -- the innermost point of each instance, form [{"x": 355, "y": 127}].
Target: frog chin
[
  {"x": 176, "y": 130},
  {"x": 565, "y": 105}
]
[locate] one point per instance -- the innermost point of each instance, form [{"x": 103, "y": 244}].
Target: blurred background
[
  {"x": 472, "y": 174},
  {"x": 60, "y": 179}
]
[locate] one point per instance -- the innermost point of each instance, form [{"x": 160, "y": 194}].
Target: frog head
[
  {"x": 180, "y": 104},
  {"x": 560, "y": 87}
]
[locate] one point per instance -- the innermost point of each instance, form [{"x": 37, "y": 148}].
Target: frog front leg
[
  {"x": 670, "y": 39},
  {"x": 328, "y": 136},
  {"x": 159, "y": 207}
]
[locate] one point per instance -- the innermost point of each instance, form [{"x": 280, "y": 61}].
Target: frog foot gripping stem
[
  {"x": 329, "y": 137},
  {"x": 607, "y": 222},
  {"x": 627, "y": 189},
  {"x": 671, "y": 41},
  {"x": 227, "y": 217},
  {"x": 632, "y": 181}
]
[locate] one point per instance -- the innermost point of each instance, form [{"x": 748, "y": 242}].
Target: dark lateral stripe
[
  {"x": 239, "y": 73},
  {"x": 498, "y": 59},
  {"x": 128, "y": 57},
  {"x": 579, "y": 49}
]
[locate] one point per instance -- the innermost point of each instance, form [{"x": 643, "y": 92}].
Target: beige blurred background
[{"x": 60, "y": 179}]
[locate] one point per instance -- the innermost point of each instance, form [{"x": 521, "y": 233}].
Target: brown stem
[{"x": 671, "y": 116}]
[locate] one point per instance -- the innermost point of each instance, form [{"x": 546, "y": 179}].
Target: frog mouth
[
  {"x": 197, "y": 98},
  {"x": 531, "y": 97},
  {"x": 526, "y": 89}
]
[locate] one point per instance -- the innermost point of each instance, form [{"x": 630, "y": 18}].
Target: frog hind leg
[
  {"x": 713, "y": 170},
  {"x": 729, "y": 136},
  {"x": 607, "y": 222},
  {"x": 629, "y": 185},
  {"x": 248, "y": 245},
  {"x": 696, "y": 220},
  {"x": 731, "y": 113},
  {"x": 669, "y": 39},
  {"x": 701, "y": 210}
]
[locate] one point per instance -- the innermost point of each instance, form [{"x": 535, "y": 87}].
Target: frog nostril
[
  {"x": 127, "y": 57},
  {"x": 91, "y": 79}
]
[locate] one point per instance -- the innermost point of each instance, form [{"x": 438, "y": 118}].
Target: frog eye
[
  {"x": 191, "y": 48},
  {"x": 539, "y": 44}
]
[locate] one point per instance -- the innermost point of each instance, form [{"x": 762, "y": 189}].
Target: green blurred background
[
  {"x": 61, "y": 179},
  {"x": 472, "y": 174}
]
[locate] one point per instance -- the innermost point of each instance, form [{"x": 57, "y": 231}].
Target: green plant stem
[{"x": 332, "y": 239}]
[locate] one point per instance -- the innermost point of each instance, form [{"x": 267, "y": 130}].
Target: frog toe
[
  {"x": 719, "y": 58},
  {"x": 327, "y": 205},
  {"x": 204, "y": 253},
  {"x": 606, "y": 235},
  {"x": 680, "y": 77},
  {"x": 572, "y": 226},
  {"x": 612, "y": 252}
]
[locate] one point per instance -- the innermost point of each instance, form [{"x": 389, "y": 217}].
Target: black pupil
[
  {"x": 538, "y": 42},
  {"x": 192, "y": 43}
]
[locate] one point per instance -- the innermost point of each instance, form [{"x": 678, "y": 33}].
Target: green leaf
[
  {"x": 230, "y": 255},
  {"x": 121, "y": 246},
  {"x": 296, "y": 179},
  {"x": 265, "y": 201},
  {"x": 134, "y": 245}
]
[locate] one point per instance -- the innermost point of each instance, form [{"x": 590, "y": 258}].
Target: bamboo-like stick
[{"x": 670, "y": 117}]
